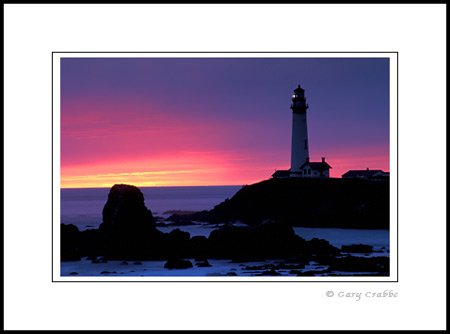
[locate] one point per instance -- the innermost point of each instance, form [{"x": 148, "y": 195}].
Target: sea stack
[{"x": 128, "y": 231}]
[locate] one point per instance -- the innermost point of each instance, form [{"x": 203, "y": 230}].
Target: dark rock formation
[
  {"x": 125, "y": 209},
  {"x": 178, "y": 264},
  {"x": 320, "y": 247},
  {"x": 177, "y": 242},
  {"x": 70, "y": 241},
  {"x": 203, "y": 264},
  {"x": 361, "y": 264},
  {"x": 267, "y": 240},
  {"x": 340, "y": 203},
  {"x": 360, "y": 248},
  {"x": 128, "y": 230}
]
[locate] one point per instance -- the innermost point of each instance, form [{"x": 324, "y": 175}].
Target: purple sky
[{"x": 213, "y": 121}]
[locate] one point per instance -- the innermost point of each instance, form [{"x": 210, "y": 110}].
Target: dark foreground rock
[
  {"x": 178, "y": 264},
  {"x": 267, "y": 240},
  {"x": 360, "y": 248},
  {"x": 378, "y": 265},
  {"x": 70, "y": 243}
]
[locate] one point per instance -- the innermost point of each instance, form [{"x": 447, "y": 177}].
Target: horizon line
[{"x": 220, "y": 185}]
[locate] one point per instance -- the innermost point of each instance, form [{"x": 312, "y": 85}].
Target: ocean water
[{"x": 83, "y": 208}]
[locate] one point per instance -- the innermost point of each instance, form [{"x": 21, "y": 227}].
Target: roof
[
  {"x": 316, "y": 165},
  {"x": 363, "y": 172},
  {"x": 281, "y": 173},
  {"x": 299, "y": 89}
]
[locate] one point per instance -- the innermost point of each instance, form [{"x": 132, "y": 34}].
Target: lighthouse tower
[{"x": 299, "y": 149}]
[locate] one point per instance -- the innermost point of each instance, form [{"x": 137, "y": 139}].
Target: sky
[{"x": 216, "y": 121}]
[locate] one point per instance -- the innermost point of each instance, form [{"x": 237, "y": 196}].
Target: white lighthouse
[
  {"x": 301, "y": 166},
  {"x": 299, "y": 148}
]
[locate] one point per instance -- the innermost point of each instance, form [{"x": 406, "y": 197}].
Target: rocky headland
[{"x": 332, "y": 203}]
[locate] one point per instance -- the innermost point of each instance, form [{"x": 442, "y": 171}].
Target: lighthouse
[
  {"x": 299, "y": 148},
  {"x": 301, "y": 166}
]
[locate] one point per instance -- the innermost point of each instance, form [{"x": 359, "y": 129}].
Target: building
[
  {"x": 301, "y": 166},
  {"x": 367, "y": 174},
  {"x": 315, "y": 169},
  {"x": 281, "y": 174}
]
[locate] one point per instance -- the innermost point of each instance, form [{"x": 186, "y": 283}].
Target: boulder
[
  {"x": 178, "y": 264},
  {"x": 203, "y": 264},
  {"x": 70, "y": 240}
]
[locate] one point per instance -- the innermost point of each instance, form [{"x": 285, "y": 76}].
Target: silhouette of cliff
[{"x": 339, "y": 203}]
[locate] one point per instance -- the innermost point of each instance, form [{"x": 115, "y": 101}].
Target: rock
[
  {"x": 356, "y": 264},
  {"x": 271, "y": 272},
  {"x": 178, "y": 264},
  {"x": 289, "y": 266},
  {"x": 137, "y": 262},
  {"x": 203, "y": 264},
  {"x": 128, "y": 230},
  {"x": 267, "y": 240},
  {"x": 313, "y": 272},
  {"x": 198, "y": 248},
  {"x": 70, "y": 240},
  {"x": 124, "y": 263},
  {"x": 177, "y": 243},
  {"x": 74, "y": 273},
  {"x": 231, "y": 273},
  {"x": 125, "y": 209},
  {"x": 360, "y": 248},
  {"x": 70, "y": 254},
  {"x": 321, "y": 247},
  {"x": 102, "y": 260},
  {"x": 307, "y": 202},
  {"x": 324, "y": 259}
]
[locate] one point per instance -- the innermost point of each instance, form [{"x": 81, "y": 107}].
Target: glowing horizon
[{"x": 221, "y": 121}]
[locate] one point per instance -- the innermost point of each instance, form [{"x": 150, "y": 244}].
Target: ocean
[{"x": 83, "y": 208}]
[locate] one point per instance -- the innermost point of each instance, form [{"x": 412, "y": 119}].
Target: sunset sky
[{"x": 216, "y": 121}]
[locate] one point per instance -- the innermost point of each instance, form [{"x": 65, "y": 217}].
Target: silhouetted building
[
  {"x": 281, "y": 174},
  {"x": 368, "y": 174},
  {"x": 315, "y": 169}
]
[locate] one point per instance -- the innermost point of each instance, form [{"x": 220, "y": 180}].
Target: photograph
[{"x": 224, "y": 166}]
